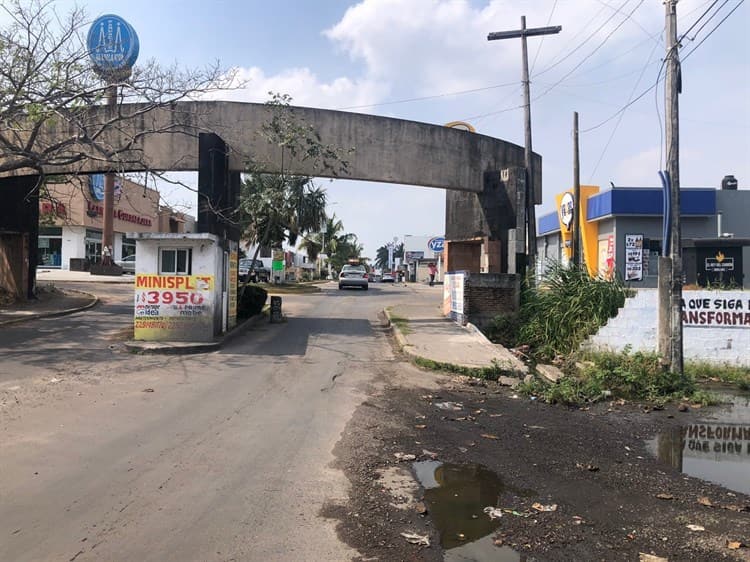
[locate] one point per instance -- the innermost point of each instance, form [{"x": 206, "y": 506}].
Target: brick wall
[{"x": 487, "y": 295}]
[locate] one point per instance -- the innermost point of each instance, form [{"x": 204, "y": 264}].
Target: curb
[
  {"x": 54, "y": 313},
  {"x": 189, "y": 348}
]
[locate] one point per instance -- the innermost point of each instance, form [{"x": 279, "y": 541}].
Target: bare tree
[{"x": 47, "y": 82}]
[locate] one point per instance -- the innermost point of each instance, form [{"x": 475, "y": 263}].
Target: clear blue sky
[{"x": 338, "y": 54}]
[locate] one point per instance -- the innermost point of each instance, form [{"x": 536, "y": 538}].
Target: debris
[
  {"x": 148, "y": 390},
  {"x": 550, "y": 372},
  {"x": 498, "y": 542},
  {"x": 489, "y": 436},
  {"x": 577, "y": 520},
  {"x": 463, "y": 449},
  {"x": 663, "y": 496},
  {"x": 493, "y": 512},
  {"x": 404, "y": 457},
  {"x": 430, "y": 454},
  {"x": 696, "y": 527},
  {"x": 414, "y": 538},
  {"x": 590, "y": 467},
  {"x": 455, "y": 406},
  {"x": 54, "y": 379},
  {"x": 703, "y": 500},
  {"x": 735, "y": 545},
  {"x": 643, "y": 557},
  {"x": 421, "y": 508},
  {"x": 539, "y": 507},
  {"x": 420, "y": 426},
  {"x": 461, "y": 536},
  {"x": 682, "y": 408}
]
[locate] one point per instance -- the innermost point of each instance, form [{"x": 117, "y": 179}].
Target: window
[{"x": 175, "y": 261}]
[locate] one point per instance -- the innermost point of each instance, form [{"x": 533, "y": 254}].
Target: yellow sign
[
  {"x": 589, "y": 230},
  {"x": 173, "y": 307}
]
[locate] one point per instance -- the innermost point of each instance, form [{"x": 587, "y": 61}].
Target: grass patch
[
  {"x": 401, "y": 323},
  {"x": 728, "y": 374},
  {"x": 486, "y": 373},
  {"x": 631, "y": 376},
  {"x": 560, "y": 312},
  {"x": 288, "y": 288}
]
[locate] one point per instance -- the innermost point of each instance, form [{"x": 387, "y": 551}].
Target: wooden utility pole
[
  {"x": 576, "y": 195},
  {"x": 672, "y": 90},
  {"x": 530, "y": 198}
]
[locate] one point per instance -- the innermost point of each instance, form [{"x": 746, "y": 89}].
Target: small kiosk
[{"x": 185, "y": 286}]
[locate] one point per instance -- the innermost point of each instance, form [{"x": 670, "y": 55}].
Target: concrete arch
[{"x": 165, "y": 138}]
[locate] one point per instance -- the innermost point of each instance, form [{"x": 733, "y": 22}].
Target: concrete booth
[{"x": 185, "y": 286}]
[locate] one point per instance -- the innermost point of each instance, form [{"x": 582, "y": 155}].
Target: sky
[{"x": 430, "y": 61}]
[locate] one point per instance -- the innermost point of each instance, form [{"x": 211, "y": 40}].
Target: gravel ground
[{"x": 614, "y": 500}]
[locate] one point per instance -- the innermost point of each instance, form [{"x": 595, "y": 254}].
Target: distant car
[
  {"x": 387, "y": 278},
  {"x": 127, "y": 264},
  {"x": 353, "y": 276},
  {"x": 253, "y": 271}
]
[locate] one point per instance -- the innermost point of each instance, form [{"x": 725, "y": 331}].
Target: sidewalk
[
  {"x": 44, "y": 275},
  {"x": 426, "y": 335}
]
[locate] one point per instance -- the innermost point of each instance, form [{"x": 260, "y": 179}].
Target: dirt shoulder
[{"x": 614, "y": 500}]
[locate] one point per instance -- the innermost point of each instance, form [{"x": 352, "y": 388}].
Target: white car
[
  {"x": 127, "y": 264},
  {"x": 354, "y": 276}
]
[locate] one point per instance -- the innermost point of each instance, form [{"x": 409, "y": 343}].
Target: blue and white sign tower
[{"x": 113, "y": 47}]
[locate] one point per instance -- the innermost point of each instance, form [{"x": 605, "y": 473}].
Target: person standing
[{"x": 433, "y": 272}]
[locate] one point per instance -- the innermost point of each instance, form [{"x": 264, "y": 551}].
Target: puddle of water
[
  {"x": 716, "y": 449},
  {"x": 456, "y": 496}
]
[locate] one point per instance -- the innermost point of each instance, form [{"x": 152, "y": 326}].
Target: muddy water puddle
[
  {"x": 456, "y": 496},
  {"x": 716, "y": 448}
]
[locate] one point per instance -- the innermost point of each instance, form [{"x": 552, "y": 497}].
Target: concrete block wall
[
  {"x": 636, "y": 326},
  {"x": 489, "y": 295}
]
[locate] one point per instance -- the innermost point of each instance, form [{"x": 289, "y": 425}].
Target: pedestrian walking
[{"x": 433, "y": 272}]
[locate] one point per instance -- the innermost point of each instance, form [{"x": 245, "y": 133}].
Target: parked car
[
  {"x": 253, "y": 270},
  {"x": 127, "y": 264},
  {"x": 354, "y": 276},
  {"x": 387, "y": 278}
]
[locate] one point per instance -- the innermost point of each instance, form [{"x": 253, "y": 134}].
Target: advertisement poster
[
  {"x": 232, "y": 289},
  {"x": 634, "y": 257},
  {"x": 702, "y": 308},
  {"x": 173, "y": 307}
]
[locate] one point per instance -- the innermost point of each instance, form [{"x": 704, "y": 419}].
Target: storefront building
[
  {"x": 622, "y": 234},
  {"x": 71, "y": 220}
]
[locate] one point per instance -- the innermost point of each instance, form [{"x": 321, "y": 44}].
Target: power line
[
  {"x": 539, "y": 48},
  {"x": 714, "y": 29},
  {"x": 696, "y": 22},
  {"x": 432, "y": 97},
  {"x": 591, "y": 54},
  {"x": 580, "y": 45}
]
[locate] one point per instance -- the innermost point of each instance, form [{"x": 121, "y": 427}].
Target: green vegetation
[
  {"x": 560, "y": 312},
  {"x": 289, "y": 288},
  {"x": 567, "y": 307},
  {"x": 401, "y": 323},
  {"x": 632, "y": 376},
  {"x": 486, "y": 373},
  {"x": 251, "y": 301}
]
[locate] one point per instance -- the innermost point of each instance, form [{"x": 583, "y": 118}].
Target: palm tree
[{"x": 381, "y": 257}]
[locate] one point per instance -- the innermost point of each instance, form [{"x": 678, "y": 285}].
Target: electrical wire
[
  {"x": 632, "y": 92},
  {"x": 432, "y": 97},
  {"x": 591, "y": 54},
  {"x": 712, "y": 31},
  {"x": 696, "y": 22},
  {"x": 539, "y": 48}
]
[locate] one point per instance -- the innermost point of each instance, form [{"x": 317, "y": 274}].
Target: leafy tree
[
  {"x": 47, "y": 80},
  {"x": 277, "y": 207},
  {"x": 381, "y": 256}
]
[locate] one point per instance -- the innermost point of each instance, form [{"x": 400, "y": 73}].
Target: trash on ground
[
  {"x": 414, "y": 538},
  {"x": 493, "y": 512},
  {"x": 682, "y": 408},
  {"x": 148, "y": 390},
  {"x": 590, "y": 467},
  {"x": 455, "y": 406},
  {"x": 696, "y": 527},
  {"x": 430, "y": 454},
  {"x": 663, "y": 496},
  {"x": 703, "y": 500},
  {"x": 421, "y": 508},
  {"x": 404, "y": 457},
  {"x": 540, "y": 507},
  {"x": 55, "y": 379},
  {"x": 643, "y": 557},
  {"x": 489, "y": 436},
  {"x": 420, "y": 426},
  {"x": 577, "y": 520},
  {"x": 735, "y": 545}
]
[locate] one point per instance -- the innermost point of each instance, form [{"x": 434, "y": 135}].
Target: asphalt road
[{"x": 223, "y": 456}]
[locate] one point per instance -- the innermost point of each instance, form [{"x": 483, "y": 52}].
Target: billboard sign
[{"x": 112, "y": 45}]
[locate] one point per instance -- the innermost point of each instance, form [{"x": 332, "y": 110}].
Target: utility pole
[
  {"x": 108, "y": 230},
  {"x": 672, "y": 90},
  {"x": 530, "y": 199},
  {"x": 576, "y": 195}
]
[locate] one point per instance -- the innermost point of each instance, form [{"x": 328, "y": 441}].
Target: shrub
[{"x": 251, "y": 300}]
